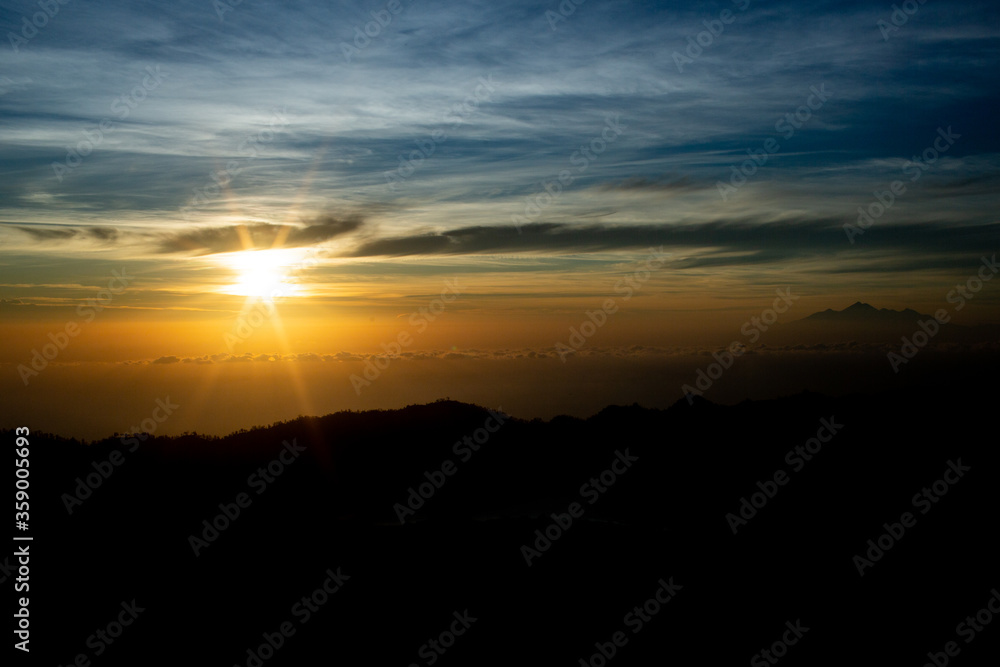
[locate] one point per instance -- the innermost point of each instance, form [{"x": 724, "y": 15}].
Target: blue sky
[{"x": 309, "y": 127}]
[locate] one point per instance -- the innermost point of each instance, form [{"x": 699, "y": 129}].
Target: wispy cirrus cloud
[
  {"x": 719, "y": 243},
  {"x": 352, "y": 122},
  {"x": 260, "y": 235}
]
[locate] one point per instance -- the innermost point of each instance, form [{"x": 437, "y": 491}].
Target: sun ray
[{"x": 264, "y": 274}]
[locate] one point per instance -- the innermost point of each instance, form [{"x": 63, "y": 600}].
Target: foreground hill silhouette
[{"x": 662, "y": 520}]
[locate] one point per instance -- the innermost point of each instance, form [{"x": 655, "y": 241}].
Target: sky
[{"x": 191, "y": 185}]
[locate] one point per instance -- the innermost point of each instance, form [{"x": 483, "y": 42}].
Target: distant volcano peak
[
  {"x": 859, "y": 306},
  {"x": 860, "y": 310}
]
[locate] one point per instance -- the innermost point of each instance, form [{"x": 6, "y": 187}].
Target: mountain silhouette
[
  {"x": 863, "y": 323},
  {"x": 863, "y": 312},
  {"x": 427, "y": 526}
]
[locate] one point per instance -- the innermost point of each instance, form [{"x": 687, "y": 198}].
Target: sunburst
[{"x": 265, "y": 274}]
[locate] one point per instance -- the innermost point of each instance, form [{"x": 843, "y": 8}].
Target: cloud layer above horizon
[{"x": 734, "y": 134}]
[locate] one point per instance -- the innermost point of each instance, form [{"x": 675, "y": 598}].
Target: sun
[{"x": 266, "y": 274}]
